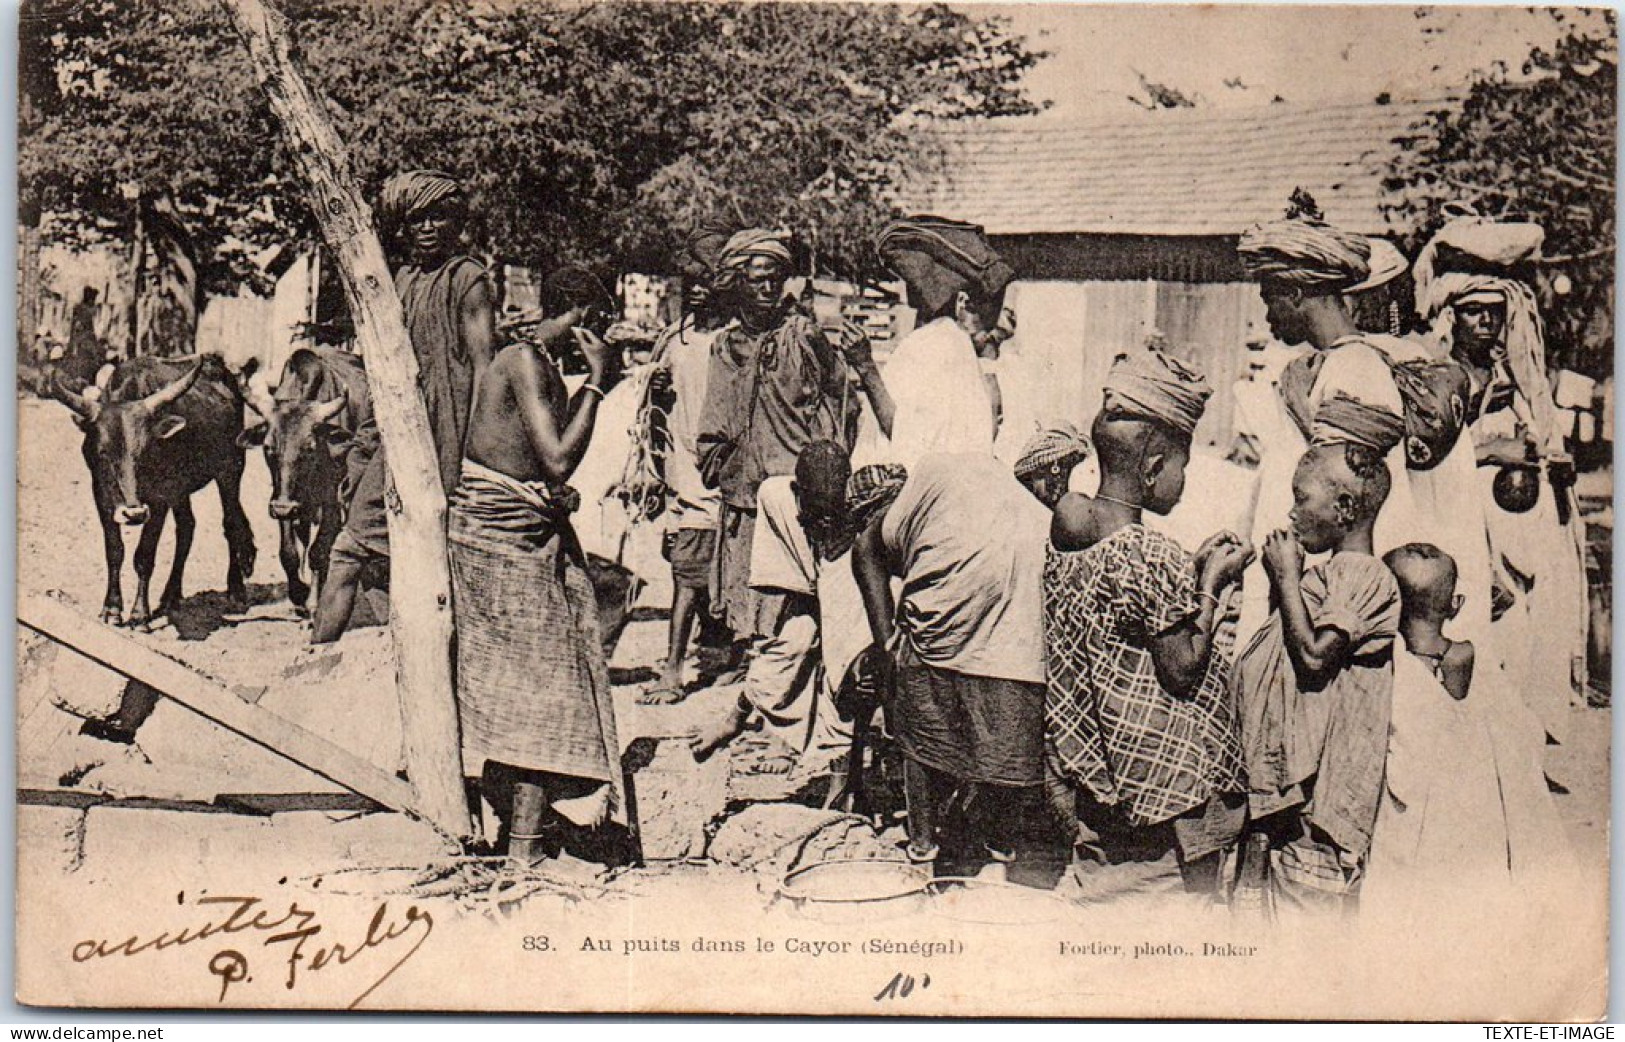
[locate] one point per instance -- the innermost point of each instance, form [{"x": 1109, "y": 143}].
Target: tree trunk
[
  {"x": 28, "y": 291},
  {"x": 138, "y": 273},
  {"x": 420, "y": 579}
]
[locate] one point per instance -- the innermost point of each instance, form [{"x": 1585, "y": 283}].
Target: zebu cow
[
  {"x": 311, "y": 425},
  {"x": 163, "y": 429}
]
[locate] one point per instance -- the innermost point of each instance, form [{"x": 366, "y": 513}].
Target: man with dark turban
[
  {"x": 451, "y": 321},
  {"x": 776, "y": 385},
  {"x": 935, "y": 398},
  {"x": 1306, "y": 270},
  {"x": 1143, "y": 747}
]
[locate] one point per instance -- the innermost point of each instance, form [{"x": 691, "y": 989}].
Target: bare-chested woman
[{"x": 532, "y": 684}]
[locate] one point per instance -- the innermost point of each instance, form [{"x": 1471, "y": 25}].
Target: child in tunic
[
  {"x": 1315, "y": 684},
  {"x": 1142, "y": 739},
  {"x": 1465, "y": 810}
]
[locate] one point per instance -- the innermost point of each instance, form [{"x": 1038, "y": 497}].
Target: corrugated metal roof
[{"x": 1172, "y": 171}]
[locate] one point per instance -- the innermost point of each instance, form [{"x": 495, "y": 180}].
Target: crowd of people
[{"x": 1352, "y": 697}]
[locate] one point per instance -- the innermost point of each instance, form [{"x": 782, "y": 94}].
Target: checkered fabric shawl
[{"x": 1112, "y": 726}]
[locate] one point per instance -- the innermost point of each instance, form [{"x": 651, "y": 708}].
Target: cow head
[
  {"x": 118, "y": 434},
  {"x": 305, "y": 444}
]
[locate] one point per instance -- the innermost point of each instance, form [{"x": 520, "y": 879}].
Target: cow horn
[
  {"x": 81, "y": 406},
  {"x": 166, "y": 395},
  {"x": 326, "y": 411}
]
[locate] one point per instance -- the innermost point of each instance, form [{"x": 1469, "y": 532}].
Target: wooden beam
[
  {"x": 420, "y": 576},
  {"x": 210, "y": 698}
]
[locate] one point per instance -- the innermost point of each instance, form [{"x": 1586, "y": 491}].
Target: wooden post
[
  {"x": 420, "y": 578},
  {"x": 131, "y": 658}
]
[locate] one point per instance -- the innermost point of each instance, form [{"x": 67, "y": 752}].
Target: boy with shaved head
[
  {"x": 1315, "y": 685},
  {"x": 797, "y": 533}
]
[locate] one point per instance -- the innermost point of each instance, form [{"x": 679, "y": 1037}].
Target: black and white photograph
[{"x": 815, "y": 508}]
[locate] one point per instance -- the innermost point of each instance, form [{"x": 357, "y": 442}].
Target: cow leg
[
  {"x": 292, "y": 536},
  {"x": 185, "y": 525},
  {"x": 328, "y": 524},
  {"x": 239, "y": 534},
  {"x": 146, "y": 557},
  {"x": 113, "y": 549}
]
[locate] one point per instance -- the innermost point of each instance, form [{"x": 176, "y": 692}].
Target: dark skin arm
[
  {"x": 478, "y": 318},
  {"x": 1457, "y": 667},
  {"x": 855, "y": 348},
  {"x": 1316, "y": 654},
  {"x": 1180, "y": 655},
  {"x": 873, "y": 574},
  {"x": 558, "y": 451}
]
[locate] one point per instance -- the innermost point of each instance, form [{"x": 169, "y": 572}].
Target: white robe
[
  {"x": 1542, "y": 638},
  {"x": 935, "y": 381},
  {"x": 1465, "y": 811}
]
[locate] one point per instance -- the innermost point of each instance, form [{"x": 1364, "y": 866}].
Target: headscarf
[
  {"x": 1056, "y": 443},
  {"x": 702, "y": 249},
  {"x": 1489, "y": 248},
  {"x": 1386, "y": 263},
  {"x": 938, "y": 259},
  {"x": 1307, "y": 253},
  {"x": 1344, "y": 419},
  {"x": 1152, "y": 385},
  {"x": 408, "y": 194},
  {"x": 755, "y": 242},
  {"x": 870, "y": 491}
]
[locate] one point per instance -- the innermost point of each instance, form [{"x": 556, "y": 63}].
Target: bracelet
[
  {"x": 1216, "y": 602},
  {"x": 594, "y": 389}
]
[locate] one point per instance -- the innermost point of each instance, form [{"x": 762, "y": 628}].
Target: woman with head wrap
[
  {"x": 1489, "y": 321},
  {"x": 1380, "y": 301},
  {"x": 1047, "y": 460},
  {"x": 451, "y": 320},
  {"x": 1306, "y": 269}
]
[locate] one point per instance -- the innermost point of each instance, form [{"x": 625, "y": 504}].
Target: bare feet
[
  {"x": 773, "y": 764},
  {"x": 663, "y": 693},
  {"x": 718, "y": 733}
]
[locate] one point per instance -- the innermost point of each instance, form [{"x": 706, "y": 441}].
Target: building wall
[{"x": 1069, "y": 332}]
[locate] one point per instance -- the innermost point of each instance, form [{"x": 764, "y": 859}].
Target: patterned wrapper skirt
[{"x": 532, "y": 682}]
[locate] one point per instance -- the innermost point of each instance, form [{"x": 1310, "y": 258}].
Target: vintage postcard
[{"x": 815, "y": 508}]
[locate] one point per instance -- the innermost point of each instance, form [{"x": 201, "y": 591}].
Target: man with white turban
[{"x": 1466, "y": 287}]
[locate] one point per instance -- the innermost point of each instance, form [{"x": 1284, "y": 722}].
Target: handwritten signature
[{"x": 291, "y": 928}]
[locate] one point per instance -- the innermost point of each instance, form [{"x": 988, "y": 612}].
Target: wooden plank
[
  {"x": 420, "y": 574},
  {"x": 128, "y": 656}
]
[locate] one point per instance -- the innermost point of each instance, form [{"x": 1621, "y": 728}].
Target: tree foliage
[
  {"x": 587, "y": 133},
  {"x": 1537, "y": 145}
]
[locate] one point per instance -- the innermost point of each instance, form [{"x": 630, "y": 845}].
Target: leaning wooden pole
[{"x": 420, "y": 579}]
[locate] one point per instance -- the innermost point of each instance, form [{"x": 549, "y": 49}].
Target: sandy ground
[{"x": 90, "y": 818}]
